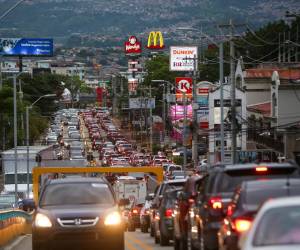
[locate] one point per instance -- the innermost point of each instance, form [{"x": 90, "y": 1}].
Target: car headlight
[
  {"x": 113, "y": 218},
  {"x": 42, "y": 220}
]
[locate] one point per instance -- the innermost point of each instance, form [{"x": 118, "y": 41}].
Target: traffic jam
[{"x": 206, "y": 207}]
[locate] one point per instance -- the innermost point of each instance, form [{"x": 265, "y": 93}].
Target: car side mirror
[
  {"x": 123, "y": 202},
  {"x": 150, "y": 197}
]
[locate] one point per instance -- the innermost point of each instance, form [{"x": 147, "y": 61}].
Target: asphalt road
[{"x": 133, "y": 241}]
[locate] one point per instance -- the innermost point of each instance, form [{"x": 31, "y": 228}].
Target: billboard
[
  {"x": 177, "y": 120},
  {"x": 155, "y": 40},
  {"x": 184, "y": 85},
  {"x": 181, "y": 58},
  {"x": 141, "y": 103},
  {"x": 133, "y": 46},
  {"x": 26, "y": 47}
]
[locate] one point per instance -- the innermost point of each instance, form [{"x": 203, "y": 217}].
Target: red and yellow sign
[
  {"x": 133, "y": 46},
  {"x": 155, "y": 40}
]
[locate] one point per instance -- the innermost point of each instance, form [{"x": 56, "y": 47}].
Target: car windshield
[
  {"x": 256, "y": 197},
  {"x": 279, "y": 226},
  {"x": 77, "y": 194}
]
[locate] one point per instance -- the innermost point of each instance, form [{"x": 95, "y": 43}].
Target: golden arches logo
[{"x": 155, "y": 40}]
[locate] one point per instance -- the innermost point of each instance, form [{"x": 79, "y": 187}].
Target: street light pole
[
  {"x": 27, "y": 138},
  {"x": 6, "y": 13},
  {"x": 15, "y": 138}
]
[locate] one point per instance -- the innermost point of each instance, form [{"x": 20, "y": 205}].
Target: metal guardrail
[{"x": 13, "y": 223}]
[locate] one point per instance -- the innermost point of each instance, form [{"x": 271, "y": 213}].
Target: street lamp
[{"x": 27, "y": 134}]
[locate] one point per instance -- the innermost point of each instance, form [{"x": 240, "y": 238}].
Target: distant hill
[{"x": 120, "y": 17}]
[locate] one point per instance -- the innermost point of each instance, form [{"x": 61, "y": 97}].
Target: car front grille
[{"x": 77, "y": 222}]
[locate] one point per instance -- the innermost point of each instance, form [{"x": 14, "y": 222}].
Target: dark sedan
[{"x": 77, "y": 213}]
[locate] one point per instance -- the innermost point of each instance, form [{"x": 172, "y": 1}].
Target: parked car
[
  {"x": 245, "y": 203},
  {"x": 276, "y": 226},
  {"x": 163, "y": 221},
  {"x": 216, "y": 192}
]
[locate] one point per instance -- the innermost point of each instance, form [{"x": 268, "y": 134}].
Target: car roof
[
  {"x": 77, "y": 180},
  {"x": 253, "y": 165},
  {"x": 282, "y": 202},
  {"x": 264, "y": 184},
  {"x": 174, "y": 181}
]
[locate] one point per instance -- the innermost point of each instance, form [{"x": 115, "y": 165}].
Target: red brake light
[
  {"x": 191, "y": 201},
  {"x": 216, "y": 203},
  {"x": 169, "y": 213},
  {"x": 261, "y": 169},
  {"x": 242, "y": 225},
  {"x": 230, "y": 210}
]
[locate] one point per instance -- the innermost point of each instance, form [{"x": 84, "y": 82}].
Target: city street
[{"x": 133, "y": 241}]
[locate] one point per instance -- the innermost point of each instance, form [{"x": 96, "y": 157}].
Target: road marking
[
  {"x": 129, "y": 246},
  {"x": 140, "y": 243},
  {"x": 16, "y": 242}
]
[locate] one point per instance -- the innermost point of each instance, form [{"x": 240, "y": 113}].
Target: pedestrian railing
[{"x": 13, "y": 223}]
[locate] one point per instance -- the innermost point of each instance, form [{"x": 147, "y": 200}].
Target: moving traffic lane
[{"x": 133, "y": 241}]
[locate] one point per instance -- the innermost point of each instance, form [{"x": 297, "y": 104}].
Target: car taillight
[
  {"x": 169, "y": 213},
  {"x": 230, "y": 210},
  {"x": 242, "y": 225},
  {"x": 216, "y": 203},
  {"x": 261, "y": 169}
]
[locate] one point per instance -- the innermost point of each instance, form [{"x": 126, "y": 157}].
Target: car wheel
[
  {"x": 36, "y": 246},
  {"x": 176, "y": 244},
  {"x": 152, "y": 231},
  {"x": 184, "y": 243},
  {"x": 118, "y": 244},
  {"x": 131, "y": 227},
  {"x": 145, "y": 228},
  {"x": 164, "y": 240},
  {"x": 156, "y": 237}
]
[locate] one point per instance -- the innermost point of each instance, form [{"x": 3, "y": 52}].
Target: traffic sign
[{"x": 184, "y": 85}]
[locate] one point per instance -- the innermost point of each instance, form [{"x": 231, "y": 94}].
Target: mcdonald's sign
[{"x": 155, "y": 40}]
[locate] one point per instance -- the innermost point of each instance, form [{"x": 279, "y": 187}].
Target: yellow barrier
[
  {"x": 16, "y": 226},
  {"x": 38, "y": 171}
]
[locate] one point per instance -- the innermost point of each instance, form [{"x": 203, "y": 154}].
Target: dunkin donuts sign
[{"x": 133, "y": 46}]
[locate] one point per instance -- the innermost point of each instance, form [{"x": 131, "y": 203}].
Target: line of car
[{"x": 216, "y": 208}]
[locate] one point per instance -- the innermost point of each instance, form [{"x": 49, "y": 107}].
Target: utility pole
[
  {"x": 233, "y": 111},
  {"x": 184, "y": 132},
  {"x": 151, "y": 126},
  {"x": 221, "y": 72},
  {"x": 195, "y": 124},
  {"x": 279, "y": 47},
  {"x": 231, "y": 26}
]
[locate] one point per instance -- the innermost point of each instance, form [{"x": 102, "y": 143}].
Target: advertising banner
[
  {"x": 133, "y": 46},
  {"x": 26, "y": 47},
  {"x": 99, "y": 92},
  {"x": 132, "y": 85},
  {"x": 203, "y": 118},
  {"x": 182, "y": 58},
  {"x": 177, "y": 120},
  {"x": 141, "y": 103},
  {"x": 202, "y": 94}
]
